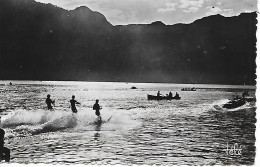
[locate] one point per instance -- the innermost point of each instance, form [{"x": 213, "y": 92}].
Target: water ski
[{"x": 109, "y": 118}]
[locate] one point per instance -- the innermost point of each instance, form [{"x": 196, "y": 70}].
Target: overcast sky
[{"x": 121, "y": 12}]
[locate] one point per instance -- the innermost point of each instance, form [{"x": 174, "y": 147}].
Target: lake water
[{"x": 192, "y": 131}]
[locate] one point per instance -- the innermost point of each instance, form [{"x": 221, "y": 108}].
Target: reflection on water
[
  {"x": 192, "y": 131},
  {"x": 97, "y": 128}
]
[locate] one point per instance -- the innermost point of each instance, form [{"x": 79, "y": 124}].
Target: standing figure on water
[
  {"x": 97, "y": 107},
  {"x": 4, "y": 152},
  {"x": 73, "y": 103},
  {"x": 48, "y": 101}
]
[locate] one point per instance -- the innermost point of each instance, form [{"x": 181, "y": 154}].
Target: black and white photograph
[{"x": 128, "y": 82}]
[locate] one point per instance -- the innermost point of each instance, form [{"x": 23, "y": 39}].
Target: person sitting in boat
[
  {"x": 235, "y": 97},
  {"x": 48, "y": 101},
  {"x": 4, "y": 152},
  {"x": 97, "y": 107},
  {"x": 158, "y": 94},
  {"x": 177, "y": 95},
  {"x": 170, "y": 94},
  {"x": 238, "y": 97},
  {"x": 245, "y": 93}
]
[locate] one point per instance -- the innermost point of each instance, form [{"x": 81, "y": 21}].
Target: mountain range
[{"x": 45, "y": 42}]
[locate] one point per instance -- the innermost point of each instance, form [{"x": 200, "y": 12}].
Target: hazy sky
[{"x": 120, "y": 12}]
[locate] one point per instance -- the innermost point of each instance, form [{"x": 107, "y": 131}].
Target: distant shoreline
[{"x": 181, "y": 85}]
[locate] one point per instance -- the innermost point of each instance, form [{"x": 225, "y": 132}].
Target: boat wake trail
[
  {"x": 26, "y": 122},
  {"x": 218, "y": 106},
  {"x": 39, "y": 121}
]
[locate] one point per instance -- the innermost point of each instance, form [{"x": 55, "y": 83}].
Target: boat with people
[
  {"x": 239, "y": 101},
  {"x": 152, "y": 97},
  {"x": 188, "y": 89},
  {"x": 234, "y": 103}
]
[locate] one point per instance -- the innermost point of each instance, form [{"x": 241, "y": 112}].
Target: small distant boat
[
  {"x": 152, "y": 97},
  {"x": 133, "y": 87},
  {"x": 188, "y": 89}
]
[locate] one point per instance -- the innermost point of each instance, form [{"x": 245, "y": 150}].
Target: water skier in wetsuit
[
  {"x": 4, "y": 152},
  {"x": 73, "y": 106},
  {"x": 97, "y": 107},
  {"x": 48, "y": 101}
]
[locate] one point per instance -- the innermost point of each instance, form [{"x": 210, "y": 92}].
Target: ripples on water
[{"x": 192, "y": 131}]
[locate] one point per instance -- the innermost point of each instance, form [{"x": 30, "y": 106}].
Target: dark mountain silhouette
[{"x": 44, "y": 42}]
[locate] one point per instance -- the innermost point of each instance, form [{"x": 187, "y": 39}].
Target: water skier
[
  {"x": 73, "y": 106},
  {"x": 4, "y": 152},
  {"x": 97, "y": 107},
  {"x": 48, "y": 101}
]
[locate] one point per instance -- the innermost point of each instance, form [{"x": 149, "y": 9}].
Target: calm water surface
[{"x": 192, "y": 131}]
